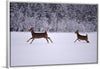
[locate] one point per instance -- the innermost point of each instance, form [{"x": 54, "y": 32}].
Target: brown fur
[
  {"x": 81, "y": 37},
  {"x": 39, "y": 35}
]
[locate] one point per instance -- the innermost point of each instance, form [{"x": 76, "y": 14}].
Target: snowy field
[{"x": 63, "y": 50}]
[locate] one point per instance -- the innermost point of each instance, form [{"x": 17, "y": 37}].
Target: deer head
[
  {"x": 76, "y": 32},
  {"x": 31, "y": 29}
]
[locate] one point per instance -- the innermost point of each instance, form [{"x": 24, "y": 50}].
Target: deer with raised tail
[
  {"x": 81, "y": 37},
  {"x": 39, "y": 35}
]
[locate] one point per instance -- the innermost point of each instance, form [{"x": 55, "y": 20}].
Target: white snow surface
[{"x": 63, "y": 50}]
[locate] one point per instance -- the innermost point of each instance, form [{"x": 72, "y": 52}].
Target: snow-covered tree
[{"x": 53, "y": 17}]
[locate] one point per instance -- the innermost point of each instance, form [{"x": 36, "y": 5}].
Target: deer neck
[
  {"x": 32, "y": 32},
  {"x": 78, "y": 34}
]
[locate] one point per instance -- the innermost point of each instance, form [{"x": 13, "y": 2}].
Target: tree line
[{"x": 53, "y": 17}]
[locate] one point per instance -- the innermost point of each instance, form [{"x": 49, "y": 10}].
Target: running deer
[
  {"x": 81, "y": 37},
  {"x": 39, "y": 35}
]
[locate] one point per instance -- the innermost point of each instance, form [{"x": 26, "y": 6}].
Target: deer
[
  {"x": 39, "y": 35},
  {"x": 81, "y": 37}
]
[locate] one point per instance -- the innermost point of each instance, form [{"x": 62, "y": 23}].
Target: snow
[{"x": 63, "y": 50}]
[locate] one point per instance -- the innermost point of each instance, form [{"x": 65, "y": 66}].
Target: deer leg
[
  {"x": 87, "y": 41},
  {"x": 79, "y": 40},
  {"x": 50, "y": 39},
  {"x": 75, "y": 40},
  {"x": 29, "y": 39},
  {"x": 47, "y": 40}
]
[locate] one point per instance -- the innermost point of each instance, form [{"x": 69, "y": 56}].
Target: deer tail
[
  {"x": 87, "y": 35},
  {"x": 45, "y": 31}
]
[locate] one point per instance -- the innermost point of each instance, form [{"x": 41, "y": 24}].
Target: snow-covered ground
[{"x": 63, "y": 50}]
